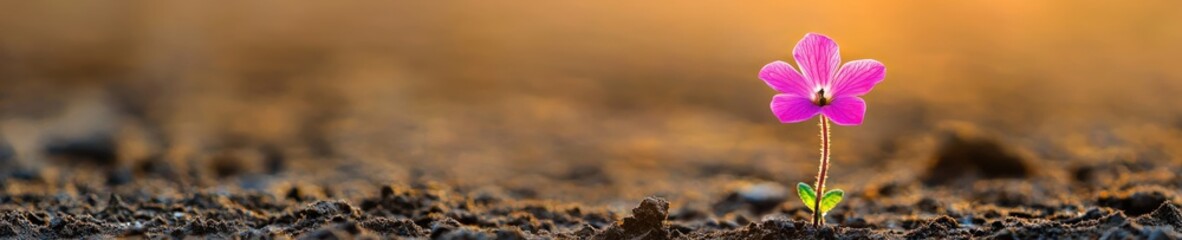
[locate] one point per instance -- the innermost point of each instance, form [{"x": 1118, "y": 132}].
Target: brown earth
[{"x": 1017, "y": 201}]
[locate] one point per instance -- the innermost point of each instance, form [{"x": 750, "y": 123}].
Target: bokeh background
[{"x": 593, "y": 102}]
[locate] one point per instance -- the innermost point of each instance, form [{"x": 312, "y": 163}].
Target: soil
[
  {"x": 1002, "y": 201},
  {"x": 419, "y": 212}
]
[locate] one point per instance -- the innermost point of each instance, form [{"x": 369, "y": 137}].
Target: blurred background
[{"x": 596, "y": 102}]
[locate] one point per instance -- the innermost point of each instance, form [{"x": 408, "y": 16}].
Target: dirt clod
[
  {"x": 1136, "y": 203},
  {"x": 966, "y": 152},
  {"x": 940, "y": 227},
  {"x": 1167, "y": 214},
  {"x": 400, "y": 227},
  {"x": 647, "y": 222}
]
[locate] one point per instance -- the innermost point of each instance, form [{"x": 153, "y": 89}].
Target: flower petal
[
  {"x": 857, "y": 77},
  {"x": 818, "y": 58},
  {"x": 792, "y": 109},
  {"x": 846, "y": 111},
  {"x": 782, "y": 77}
]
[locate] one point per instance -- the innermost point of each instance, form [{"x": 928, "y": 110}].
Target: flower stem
[{"x": 818, "y": 216}]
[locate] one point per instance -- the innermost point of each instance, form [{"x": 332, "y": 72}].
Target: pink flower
[{"x": 823, "y": 88}]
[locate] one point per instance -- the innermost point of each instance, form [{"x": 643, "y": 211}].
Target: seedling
[{"x": 821, "y": 88}]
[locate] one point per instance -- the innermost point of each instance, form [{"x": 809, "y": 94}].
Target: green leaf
[
  {"x": 830, "y": 199},
  {"x": 807, "y": 195}
]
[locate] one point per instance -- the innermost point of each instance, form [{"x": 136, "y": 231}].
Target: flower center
[{"x": 820, "y": 99}]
